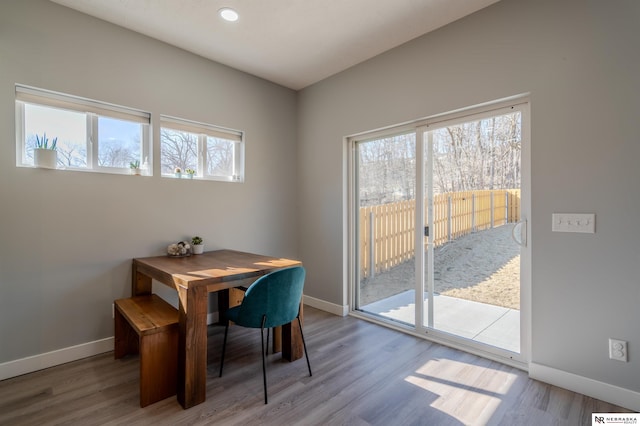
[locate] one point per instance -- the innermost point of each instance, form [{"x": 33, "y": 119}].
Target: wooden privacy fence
[{"x": 387, "y": 231}]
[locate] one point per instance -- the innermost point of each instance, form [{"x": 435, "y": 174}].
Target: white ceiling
[{"x": 294, "y": 43}]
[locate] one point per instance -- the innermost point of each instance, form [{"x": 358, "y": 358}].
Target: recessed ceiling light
[{"x": 228, "y": 14}]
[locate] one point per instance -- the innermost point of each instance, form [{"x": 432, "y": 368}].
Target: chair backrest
[{"x": 276, "y": 295}]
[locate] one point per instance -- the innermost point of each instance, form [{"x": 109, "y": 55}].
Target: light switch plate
[{"x": 574, "y": 222}]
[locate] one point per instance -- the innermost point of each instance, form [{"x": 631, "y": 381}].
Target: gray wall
[
  {"x": 67, "y": 238},
  {"x": 580, "y": 61}
]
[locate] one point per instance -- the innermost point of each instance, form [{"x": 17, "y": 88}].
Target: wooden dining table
[{"x": 194, "y": 277}]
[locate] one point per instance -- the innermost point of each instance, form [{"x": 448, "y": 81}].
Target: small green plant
[
  {"x": 43, "y": 143},
  {"x": 135, "y": 164},
  {"x": 196, "y": 241},
  {"x": 190, "y": 171}
]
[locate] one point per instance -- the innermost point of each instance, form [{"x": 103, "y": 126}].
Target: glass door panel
[
  {"x": 472, "y": 191},
  {"x": 385, "y": 183}
]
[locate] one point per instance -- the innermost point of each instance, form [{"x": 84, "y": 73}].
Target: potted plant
[
  {"x": 177, "y": 172},
  {"x": 190, "y": 173},
  {"x": 197, "y": 244},
  {"x": 44, "y": 155},
  {"x": 134, "y": 166}
]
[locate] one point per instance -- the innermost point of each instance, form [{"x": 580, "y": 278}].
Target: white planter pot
[
  {"x": 136, "y": 172},
  {"x": 197, "y": 248},
  {"x": 45, "y": 158}
]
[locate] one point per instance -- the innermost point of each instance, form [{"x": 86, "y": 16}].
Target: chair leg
[
  {"x": 224, "y": 347},
  {"x": 264, "y": 363},
  {"x": 304, "y": 345}
]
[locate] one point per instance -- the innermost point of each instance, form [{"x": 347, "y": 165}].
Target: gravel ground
[{"x": 482, "y": 267}]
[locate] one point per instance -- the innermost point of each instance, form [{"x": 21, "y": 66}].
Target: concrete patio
[{"x": 481, "y": 322}]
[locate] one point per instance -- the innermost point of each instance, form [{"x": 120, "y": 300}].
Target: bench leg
[
  {"x": 158, "y": 365},
  {"x": 125, "y": 338}
]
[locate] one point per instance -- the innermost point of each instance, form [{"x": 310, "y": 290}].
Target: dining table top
[{"x": 213, "y": 269}]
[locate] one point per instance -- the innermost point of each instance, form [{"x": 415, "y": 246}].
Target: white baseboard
[
  {"x": 30, "y": 364},
  {"x": 332, "y": 308},
  {"x": 33, "y": 363},
  {"x": 212, "y": 318},
  {"x": 613, "y": 394}
]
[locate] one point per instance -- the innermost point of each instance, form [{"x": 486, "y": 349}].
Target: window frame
[
  {"x": 204, "y": 131},
  {"x": 92, "y": 110}
]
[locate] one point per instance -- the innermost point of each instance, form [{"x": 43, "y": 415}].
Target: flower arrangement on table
[{"x": 179, "y": 249}]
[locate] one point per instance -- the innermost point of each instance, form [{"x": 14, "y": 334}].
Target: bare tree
[
  {"x": 116, "y": 156},
  {"x": 387, "y": 169},
  {"x": 475, "y": 155},
  {"x": 220, "y": 156},
  {"x": 484, "y": 154},
  {"x": 72, "y": 155},
  {"x": 179, "y": 149}
]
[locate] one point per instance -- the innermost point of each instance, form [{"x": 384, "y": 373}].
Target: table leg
[
  {"x": 140, "y": 283},
  {"x": 292, "y": 348},
  {"x": 192, "y": 346},
  {"x": 277, "y": 339}
]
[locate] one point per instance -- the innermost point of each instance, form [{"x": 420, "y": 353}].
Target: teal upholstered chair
[{"x": 271, "y": 301}]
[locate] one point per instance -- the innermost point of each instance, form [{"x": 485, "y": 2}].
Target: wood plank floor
[{"x": 363, "y": 374}]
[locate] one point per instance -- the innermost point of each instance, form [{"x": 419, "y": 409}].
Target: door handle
[{"x": 522, "y": 227}]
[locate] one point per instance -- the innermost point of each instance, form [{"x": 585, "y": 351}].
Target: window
[
  {"x": 91, "y": 135},
  {"x": 211, "y": 152}
]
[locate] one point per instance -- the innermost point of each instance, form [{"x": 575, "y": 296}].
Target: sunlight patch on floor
[{"x": 454, "y": 381}]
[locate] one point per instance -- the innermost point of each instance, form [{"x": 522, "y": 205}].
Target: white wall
[
  {"x": 580, "y": 62},
  {"x": 67, "y": 238}
]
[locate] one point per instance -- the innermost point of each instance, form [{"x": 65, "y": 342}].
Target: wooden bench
[{"x": 149, "y": 326}]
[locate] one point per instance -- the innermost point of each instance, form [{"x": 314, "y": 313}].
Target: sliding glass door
[{"x": 438, "y": 230}]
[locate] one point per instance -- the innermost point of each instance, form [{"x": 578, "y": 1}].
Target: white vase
[
  {"x": 45, "y": 158},
  {"x": 198, "y": 248}
]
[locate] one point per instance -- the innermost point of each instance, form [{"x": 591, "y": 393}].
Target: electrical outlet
[{"x": 618, "y": 350}]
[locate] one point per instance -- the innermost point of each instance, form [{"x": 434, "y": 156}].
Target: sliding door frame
[{"x": 421, "y": 128}]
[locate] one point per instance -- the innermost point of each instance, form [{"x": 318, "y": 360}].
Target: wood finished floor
[{"x": 363, "y": 374}]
